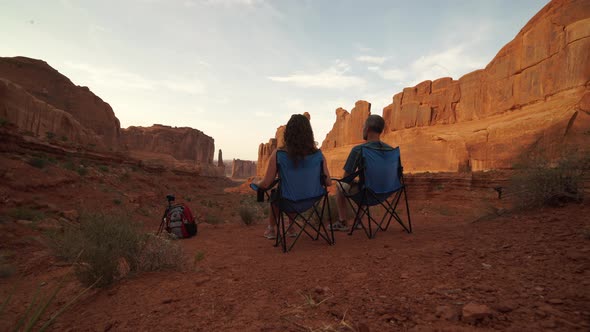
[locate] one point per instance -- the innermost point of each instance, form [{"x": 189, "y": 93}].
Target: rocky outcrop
[
  {"x": 48, "y": 85},
  {"x": 220, "y": 159},
  {"x": 532, "y": 95},
  {"x": 183, "y": 144},
  {"x": 264, "y": 152},
  {"x": 348, "y": 128},
  {"x": 35, "y": 117},
  {"x": 266, "y": 149},
  {"x": 242, "y": 169}
]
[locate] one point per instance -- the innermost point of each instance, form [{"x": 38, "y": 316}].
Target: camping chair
[
  {"x": 302, "y": 196},
  {"x": 381, "y": 183}
]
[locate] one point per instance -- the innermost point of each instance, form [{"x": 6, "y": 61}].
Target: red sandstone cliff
[
  {"x": 242, "y": 169},
  {"x": 533, "y": 95},
  {"x": 38, "y": 118},
  {"x": 183, "y": 144},
  {"x": 47, "y": 84}
]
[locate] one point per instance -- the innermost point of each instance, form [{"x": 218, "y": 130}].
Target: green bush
[
  {"x": 539, "y": 182},
  {"x": 50, "y": 135},
  {"x": 246, "y": 214},
  {"x": 103, "y": 168},
  {"x": 3, "y": 122},
  {"x": 104, "y": 246}
]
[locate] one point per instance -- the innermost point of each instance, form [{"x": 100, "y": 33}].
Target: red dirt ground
[{"x": 531, "y": 269}]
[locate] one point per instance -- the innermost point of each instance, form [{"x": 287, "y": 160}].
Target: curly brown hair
[{"x": 299, "y": 140}]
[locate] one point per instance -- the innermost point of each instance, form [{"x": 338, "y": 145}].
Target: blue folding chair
[
  {"x": 302, "y": 196},
  {"x": 380, "y": 183}
]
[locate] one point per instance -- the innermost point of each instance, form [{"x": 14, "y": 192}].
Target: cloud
[
  {"x": 371, "y": 59},
  {"x": 333, "y": 77},
  {"x": 128, "y": 80},
  {"x": 453, "y": 62}
]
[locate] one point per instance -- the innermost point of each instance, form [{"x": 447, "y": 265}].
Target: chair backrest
[
  {"x": 382, "y": 170},
  {"x": 301, "y": 182}
]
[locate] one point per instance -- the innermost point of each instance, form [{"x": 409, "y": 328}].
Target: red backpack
[{"x": 180, "y": 221}]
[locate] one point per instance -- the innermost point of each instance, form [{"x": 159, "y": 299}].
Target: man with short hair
[{"x": 372, "y": 134}]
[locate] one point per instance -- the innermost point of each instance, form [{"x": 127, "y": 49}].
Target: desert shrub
[
  {"x": 3, "y": 122},
  {"x": 37, "y": 162},
  {"x": 540, "y": 182},
  {"x": 64, "y": 138},
  {"x": 117, "y": 201},
  {"x": 212, "y": 219},
  {"x": 50, "y": 135},
  {"x": 82, "y": 171},
  {"x": 6, "y": 269},
  {"x": 104, "y": 246},
  {"x": 246, "y": 214},
  {"x": 102, "y": 242},
  {"x": 103, "y": 168},
  {"x": 69, "y": 164},
  {"x": 159, "y": 253},
  {"x": 26, "y": 213}
]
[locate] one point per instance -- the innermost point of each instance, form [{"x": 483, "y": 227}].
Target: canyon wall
[
  {"x": 183, "y": 144},
  {"x": 243, "y": 169},
  {"x": 48, "y": 85},
  {"x": 533, "y": 95}
]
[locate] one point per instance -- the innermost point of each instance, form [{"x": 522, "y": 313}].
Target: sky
[{"x": 238, "y": 69}]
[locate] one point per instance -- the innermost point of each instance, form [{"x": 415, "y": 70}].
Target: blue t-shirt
[{"x": 354, "y": 158}]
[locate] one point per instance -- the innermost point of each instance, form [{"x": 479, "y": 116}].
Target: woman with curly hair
[{"x": 299, "y": 143}]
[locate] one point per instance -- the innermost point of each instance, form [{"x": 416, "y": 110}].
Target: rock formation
[
  {"x": 533, "y": 95},
  {"x": 36, "y": 117},
  {"x": 183, "y": 144},
  {"x": 265, "y": 149},
  {"x": 348, "y": 128},
  {"x": 47, "y": 84},
  {"x": 220, "y": 159},
  {"x": 242, "y": 169}
]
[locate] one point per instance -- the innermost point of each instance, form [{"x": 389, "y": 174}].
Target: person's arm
[{"x": 271, "y": 171}]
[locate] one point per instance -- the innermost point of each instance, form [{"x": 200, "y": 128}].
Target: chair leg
[{"x": 408, "y": 210}]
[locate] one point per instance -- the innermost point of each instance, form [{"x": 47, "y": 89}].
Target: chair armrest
[{"x": 255, "y": 187}]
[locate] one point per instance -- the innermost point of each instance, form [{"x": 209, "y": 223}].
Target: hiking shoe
[
  {"x": 338, "y": 226},
  {"x": 270, "y": 233}
]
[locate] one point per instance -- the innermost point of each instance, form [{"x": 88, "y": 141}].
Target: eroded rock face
[
  {"x": 183, "y": 144},
  {"x": 48, "y": 85},
  {"x": 532, "y": 95},
  {"x": 242, "y": 169},
  {"x": 348, "y": 128},
  {"x": 39, "y": 118}
]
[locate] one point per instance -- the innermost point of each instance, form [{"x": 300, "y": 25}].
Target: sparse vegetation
[
  {"x": 117, "y": 201},
  {"x": 69, "y": 164},
  {"x": 103, "y": 168},
  {"x": 26, "y": 213},
  {"x": 540, "y": 182},
  {"x": 199, "y": 256},
  {"x": 246, "y": 214},
  {"x": 82, "y": 171},
  {"x": 108, "y": 246},
  {"x": 50, "y": 135},
  {"x": 64, "y": 138},
  {"x": 6, "y": 269},
  {"x": 212, "y": 219},
  {"x": 37, "y": 162},
  {"x": 3, "y": 122},
  {"x": 160, "y": 253}
]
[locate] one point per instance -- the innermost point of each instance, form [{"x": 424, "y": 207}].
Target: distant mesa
[
  {"x": 534, "y": 95},
  {"x": 43, "y": 103}
]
